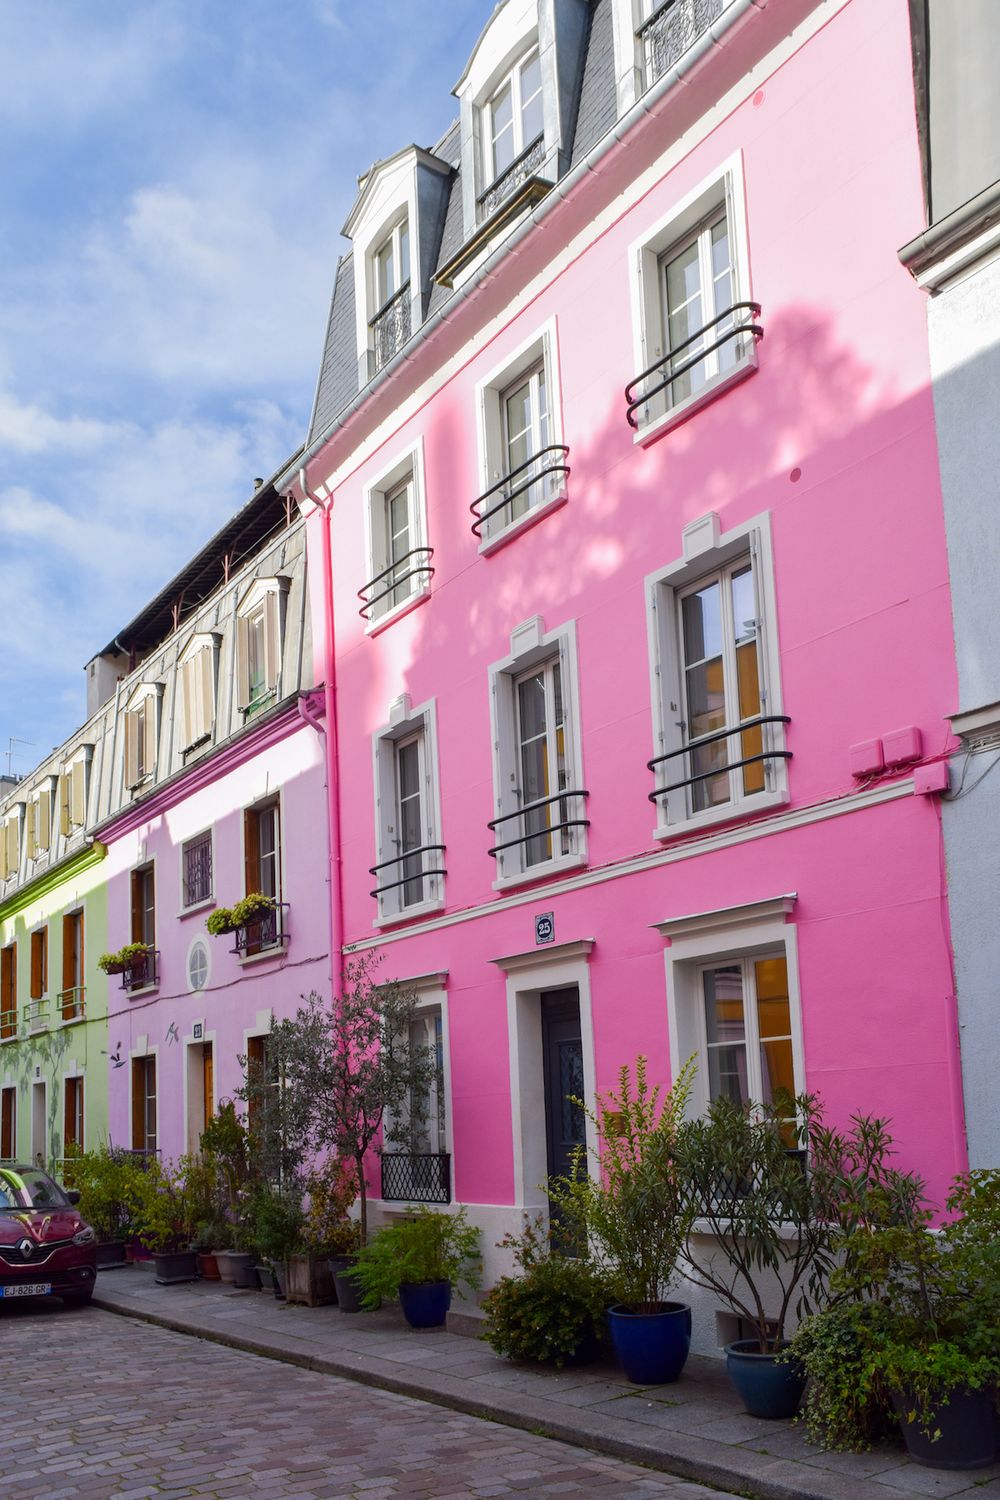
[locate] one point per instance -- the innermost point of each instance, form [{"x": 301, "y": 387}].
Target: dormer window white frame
[
  {"x": 260, "y": 618},
  {"x": 390, "y": 298},
  {"x": 74, "y": 791},
  {"x": 196, "y": 669},
  {"x": 398, "y": 559},
  {"x": 38, "y": 819},
  {"x": 407, "y": 877},
  {"x": 10, "y": 842},
  {"x": 513, "y": 119},
  {"x": 651, "y": 37},
  {"x": 142, "y": 734}
]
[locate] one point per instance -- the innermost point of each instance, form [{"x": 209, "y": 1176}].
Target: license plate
[{"x": 30, "y": 1289}]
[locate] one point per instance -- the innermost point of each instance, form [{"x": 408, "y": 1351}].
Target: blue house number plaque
[{"x": 545, "y": 927}]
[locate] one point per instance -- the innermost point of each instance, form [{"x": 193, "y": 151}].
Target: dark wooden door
[{"x": 562, "y": 1055}]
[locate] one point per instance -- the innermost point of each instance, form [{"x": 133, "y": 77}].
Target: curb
[{"x": 756, "y": 1476}]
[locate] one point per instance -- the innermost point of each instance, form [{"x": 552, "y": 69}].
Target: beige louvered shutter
[
  {"x": 78, "y": 794},
  {"x": 13, "y": 843},
  {"x": 43, "y": 831},
  {"x": 272, "y": 643},
  {"x": 65, "y": 785},
  {"x": 131, "y": 748},
  {"x": 242, "y": 661},
  {"x": 5, "y": 848},
  {"x": 206, "y": 689},
  {"x": 151, "y": 725},
  {"x": 31, "y": 829},
  {"x": 189, "y": 729}
]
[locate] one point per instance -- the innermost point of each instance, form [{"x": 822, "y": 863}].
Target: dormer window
[
  {"x": 390, "y": 323},
  {"x": 514, "y": 125},
  {"x": 651, "y": 37},
  {"x": 142, "y": 716}
]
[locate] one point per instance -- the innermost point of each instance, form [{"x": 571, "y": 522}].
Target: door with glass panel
[
  {"x": 721, "y": 688},
  {"x": 697, "y": 287},
  {"x": 409, "y": 758},
  {"x": 748, "y": 1030},
  {"x": 524, "y": 412},
  {"x": 542, "y": 771}
]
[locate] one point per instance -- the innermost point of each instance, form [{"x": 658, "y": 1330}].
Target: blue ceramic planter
[
  {"x": 766, "y": 1387},
  {"x": 425, "y": 1303},
  {"x": 651, "y": 1347}
]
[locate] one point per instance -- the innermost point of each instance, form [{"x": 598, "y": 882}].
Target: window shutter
[
  {"x": 44, "y": 815},
  {"x": 131, "y": 749},
  {"x": 30, "y": 829},
  {"x": 37, "y": 988},
  {"x": 78, "y": 794},
  {"x": 138, "y": 1103},
  {"x": 68, "y": 952},
  {"x": 151, "y": 726},
  {"x": 251, "y": 852},
  {"x": 272, "y": 643},
  {"x": 206, "y": 689},
  {"x": 135, "y": 888},
  {"x": 189, "y": 732},
  {"x": 65, "y": 786},
  {"x": 242, "y": 661},
  {"x": 69, "y": 1113}
]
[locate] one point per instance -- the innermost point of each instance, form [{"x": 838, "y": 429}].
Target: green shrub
[
  {"x": 220, "y": 921},
  {"x": 109, "y": 1183},
  {"x": 427, "y": 1247},
  {"x": 275, "y": 1223},
  {"x": 553, "y": 1307}
]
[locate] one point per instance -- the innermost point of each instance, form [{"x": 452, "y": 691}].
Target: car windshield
[{"x": 29, "y": 1188}]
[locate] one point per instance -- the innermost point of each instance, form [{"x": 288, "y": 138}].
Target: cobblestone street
[{"x": 99, "y": 1406}]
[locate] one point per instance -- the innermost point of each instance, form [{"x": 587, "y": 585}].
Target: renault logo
[{"x": 26, "y": 1248}]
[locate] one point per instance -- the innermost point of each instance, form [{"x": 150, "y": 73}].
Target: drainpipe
[{"x": 330, "y": 743}]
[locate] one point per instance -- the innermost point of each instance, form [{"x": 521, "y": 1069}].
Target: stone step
[{"x": 466, "y": 1319}]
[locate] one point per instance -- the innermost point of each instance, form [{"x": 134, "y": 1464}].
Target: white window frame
[
  {"x": 404, "y": 722},
  {"x": 264, "y": 594},
  {"x": 11, "y": 844},
  {"x": 511, "y": 78},
  {"x": 706, "y": 550},
  {"x": 392, "y": 239},
  {"x": 407, "y": 469},
  {"x": 632, "y": 79},
  {"x": 9, "y": 1086},
  {"x": 646, "y": 258},
  {"x": 38, "y": 837},
  {"x": 74, "y": 791},
  {"x": 531, "y": 647},
  {"x": 760, "y": 929},
  {"x": 542, "y": 348},
  {"x": 147, "y": 696},
  {"x": 143, "y": 1050},
  {"x": 197, "y": 677},
  {"x": 183, "y": 909}
]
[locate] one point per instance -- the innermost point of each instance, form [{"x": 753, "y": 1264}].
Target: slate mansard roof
[{"x": 596, "y": 113}]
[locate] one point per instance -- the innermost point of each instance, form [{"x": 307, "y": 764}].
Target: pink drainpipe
[{"x": 329, "y": 731}]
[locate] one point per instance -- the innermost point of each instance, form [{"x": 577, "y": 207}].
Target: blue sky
[{"x": 173, "y": 181}]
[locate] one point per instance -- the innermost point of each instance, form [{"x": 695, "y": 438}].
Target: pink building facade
[{"x": 642, "y": 712}]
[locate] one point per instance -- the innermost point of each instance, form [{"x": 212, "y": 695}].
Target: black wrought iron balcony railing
[
  {"x": 671, "y": 29},
  {"x": 391, "y": 326},
  {"x": 671, "y": 373},
  {"x": 541, "y": 468},
  {"x": 265, "y": 931},
  {"x": 413, "y": 873},
  {"x": 72, "y": 1003},
  {"x": 140, "y": 973},
  {"x": 761, "y": 757},
  {"x": 535, "y": 828},
  {"x": 416, "y": 1177},
  {"x": 396, "y": 583},
  {"x": 511, "y": 178}
]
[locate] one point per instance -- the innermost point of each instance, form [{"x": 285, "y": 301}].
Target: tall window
[
  {"x": 196, "y": 672},
  {"x": 409, "y": 816},
  {"x": 8, "y": 991},
  {"x": 408, "y": 872},
  {"x": 397, "y": 534},
  {"x": 721, "y": 685},
  {"x": 39, "y": 963},
  {"x": 258, "y": 646},
  {"x": 399, "y": 559},
  {"x": 8, "y": 1124},
  {"x": 541, "y": 747},
  {"x": 748, "y": 1029},
  {"x": 144, "y": 1104},
  {"x": 141, "y": 725},
  {"x": 144, "y": 906},
  {"x": 514, "y": 116},
  {"x": 261, "y": 1072},
  {"x": 525, "y": 414},
  {"x": 262, "y": 872},
  {"x": 71, "y": 997},
  {"x": 73, "y": 788},
  {"x": 697, "y": 289},
  {"x": 73, "y": 1115},
  {"x": 392, "y": 265},
  {"x": 524, "y": 462},
  {"x": 196, "y": 856}
]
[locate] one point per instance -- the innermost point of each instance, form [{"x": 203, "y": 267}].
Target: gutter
[
  {"x": 713, "y": 37},
  {"x": 961, "y": 230}
]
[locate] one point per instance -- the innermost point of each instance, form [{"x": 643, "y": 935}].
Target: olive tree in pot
[
  {"x": 420, "y": 1259},
  {"x": 226, "y": 1157},
  {"x": 631, "y": 1213},
  {"x": 166, "y": 1221}
]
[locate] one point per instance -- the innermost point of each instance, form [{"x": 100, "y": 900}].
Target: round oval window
[{"x": 198, "y": 966}]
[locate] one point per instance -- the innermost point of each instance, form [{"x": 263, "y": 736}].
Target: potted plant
[
  {"x": 554, "y": 1312},
  {"x": 225, "y": 1153},
  {"x": 107, "y": 1182},
  {"x": 420, "y": 1259},
  {"x": 111, "y": 963},
  {"x": 220, "y": 921},
  {"x": 276, "y": 1223},
  {"x": 251, "y": 907},
  {"x": 632, "y": 1213},
  {"x": 166, "y": 1223},
  {"x": 132, "y": 956}
]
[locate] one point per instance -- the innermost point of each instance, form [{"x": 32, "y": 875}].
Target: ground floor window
[
  {"x": 73, "y": 1115},
  {"x": 8, "y": 1124},
  {"x": 144, "y": 1104}
]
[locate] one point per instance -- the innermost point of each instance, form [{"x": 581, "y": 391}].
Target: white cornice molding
[
  {"x": 978, "y": 728},
  {"x": 727, "y": 917},
  {"x": 534, "y": 958},
  {"x": 419, "y": 982}
]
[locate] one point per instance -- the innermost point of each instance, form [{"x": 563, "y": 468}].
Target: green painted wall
[{"x": 48, "y": 1054}]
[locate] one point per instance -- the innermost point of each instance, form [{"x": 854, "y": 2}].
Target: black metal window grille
[
  {"x": 521, "y": 169},
  {"x": 198, "y": 870},
  {"x": 541, "y": 466},
  {"x": 391, "y": 326},
  {"x": 671, "y": 29},
  {"x": 416, "y": 1177},
  {"x": 396, "y": 582},
  {"x": 763, "y": 756},
  {"x": 141, "y": 972},
  {"x": 266, "y": 930},
  {"x": 533, "y": 829},
  {"x": 410, "y": 868},
  {"x": 636, "y": 396}
]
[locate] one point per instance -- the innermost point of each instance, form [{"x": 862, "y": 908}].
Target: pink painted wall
[
  {"x": 236, "y": 994},
  {"x": 841, "y": 398}
]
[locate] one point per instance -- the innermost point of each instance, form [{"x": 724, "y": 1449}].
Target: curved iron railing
[
  {"x": 141, "y": 972},
  {"x": 751, "y": 327},
  {"x": 421, "y": 874},
  {"x": 714, "y": 737},
  {"x": 508, "y": 499},
  {"x": 671, "y": 29},
  {"x": 538, "y": 833},
  {"x": 421, "y": 570},
  {"x": 391, "y": 325},
  {"x": 510, "y": 179},
  {"x": 265, "y": 931}
]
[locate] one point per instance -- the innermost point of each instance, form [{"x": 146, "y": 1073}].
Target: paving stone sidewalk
[{"x": 694, "y": 1428}]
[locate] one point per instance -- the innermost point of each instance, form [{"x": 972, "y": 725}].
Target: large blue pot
[
  {"x": 651, "y": 1347},
  {"x": 425, "y": 1303},
  {"x": 766, "y": 1386}
]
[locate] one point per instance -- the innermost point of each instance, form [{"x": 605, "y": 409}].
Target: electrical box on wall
[
  {"x": 866, "y": 758},
  {"x": 903, "y": 746}
]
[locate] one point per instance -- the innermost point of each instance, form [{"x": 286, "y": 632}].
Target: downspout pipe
[{"x": 330, "y": 740}]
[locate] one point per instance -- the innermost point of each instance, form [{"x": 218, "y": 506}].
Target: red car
[{"x": 46, "y": 1249}]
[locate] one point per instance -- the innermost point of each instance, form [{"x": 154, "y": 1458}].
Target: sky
[{"x": 174, "y": 175}]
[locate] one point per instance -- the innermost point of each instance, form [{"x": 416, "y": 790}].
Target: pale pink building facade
[{"x": 747, "y": 553}]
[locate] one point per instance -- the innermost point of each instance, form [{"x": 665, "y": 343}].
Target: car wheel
[{"x": 77, "y": 1299}]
